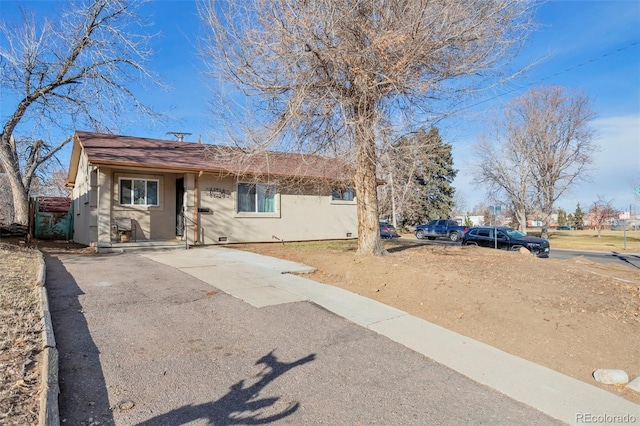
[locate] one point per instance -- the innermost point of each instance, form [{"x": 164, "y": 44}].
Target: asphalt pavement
[
  {"x": 603, "y": 256},
  {"x": 214, "y": 336}
]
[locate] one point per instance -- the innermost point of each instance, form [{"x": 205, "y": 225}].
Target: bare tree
[
  {"x": 503, "y": 164},
  {"x": 543, "y": 146},
  {"x": 63, "y": 72},
  {"x": 51, "y": 184},
  {"x": 504, "y": 167},
  {"x": 561, "y": 140},
  {"x": 600, "y": 213},
  {"x": 322, "y": 75},
  {"x": 460, "y": 207}
]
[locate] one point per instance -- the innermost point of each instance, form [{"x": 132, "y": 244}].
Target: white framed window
[
  {"x": 256, "y": 198},
  {"x": 138, "y": 192},
  {"x": 343, "y": 194}
]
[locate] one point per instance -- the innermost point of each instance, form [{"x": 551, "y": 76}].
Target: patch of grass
[
  {"x": 342, "y": 246},
  {"x": 333, "y": 245},
  {"x": 578, "y": 240},
  {"x": 588, "y": 240},
  {"x": 20, "y": 336}
]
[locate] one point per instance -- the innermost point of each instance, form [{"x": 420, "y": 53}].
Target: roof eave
[{"x": 132, "y": 165}]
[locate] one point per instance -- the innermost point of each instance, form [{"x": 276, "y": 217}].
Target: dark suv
[
  {"x": 507, "y": 239},
  {"x": 388, "y": 231}
]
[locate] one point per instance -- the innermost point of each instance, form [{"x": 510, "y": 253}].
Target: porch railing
[{"x": 185, "y": 227}]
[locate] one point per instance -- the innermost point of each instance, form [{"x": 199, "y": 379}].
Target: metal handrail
[{"x": 186, "y": 228}]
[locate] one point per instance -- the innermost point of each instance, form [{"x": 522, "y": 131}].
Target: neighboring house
[
  {"x": 475, "y": 220},
  {"x": 127, "y": 188}
]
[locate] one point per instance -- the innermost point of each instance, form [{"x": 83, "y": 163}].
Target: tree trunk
[
  {"x": 367, "y": 205},
  {"x": 522, "y": 220},
  {"x": 20, "y": 205},
  {"x": 546, "y": 221},
  {"x": 19, "y": 191},
  {"x": 366, "y": 185}
]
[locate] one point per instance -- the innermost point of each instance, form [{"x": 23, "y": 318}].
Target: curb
[{"x": 49, "y": 414}]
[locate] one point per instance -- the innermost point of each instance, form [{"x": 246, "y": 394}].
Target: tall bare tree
[
  {"x": 502, "y": 165},
  {"x": 561, "y": 140},
  {"x": 323, "y": 75},
  {"x": 541, "y": 148},
  {"x": 68, "y": 70}
]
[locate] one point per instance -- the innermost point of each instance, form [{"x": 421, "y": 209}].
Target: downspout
[
  {"x": 98, "y": 190},
  {"x": 196, "y": 204}
]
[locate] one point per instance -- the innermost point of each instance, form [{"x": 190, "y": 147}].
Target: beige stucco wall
[
  {"x": 151, "y": 222},
  {"x": 96, "y": 205},
  {"x": 308, "y": 216},
  {"x": 84, "y": 195}
]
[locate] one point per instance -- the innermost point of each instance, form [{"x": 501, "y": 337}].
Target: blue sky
[{"x": 593, "y": 46}]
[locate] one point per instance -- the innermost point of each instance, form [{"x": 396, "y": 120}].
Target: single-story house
[{"x": 128, "y": 188}]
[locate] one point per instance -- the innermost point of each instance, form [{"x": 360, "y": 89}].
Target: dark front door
[{"x": 179, "y": 207}]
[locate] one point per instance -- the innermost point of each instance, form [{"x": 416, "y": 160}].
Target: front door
[{"x": 180, "y": 207}]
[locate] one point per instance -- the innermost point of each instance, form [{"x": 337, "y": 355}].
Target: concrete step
[{"x": 140, "y": 246}]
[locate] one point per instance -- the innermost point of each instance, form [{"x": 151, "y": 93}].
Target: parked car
[
  {"x": 440, "y": 228},
  {"x": 563, "y": 228},
  {"x": 388, "y": 231},
  {"x": 507, "y": 239}
]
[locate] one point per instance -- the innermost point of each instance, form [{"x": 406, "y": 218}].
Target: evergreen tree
[
  {"x": 435, "y": 177},
  {"x": 578, "y": 218},
  {"x": 422, "y": 170},
  {"x": 467, "y": 221},
  {"x": 562, "y": 218}
]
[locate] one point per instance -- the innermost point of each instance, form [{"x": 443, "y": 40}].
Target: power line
[{"x": 582, "y": 64}]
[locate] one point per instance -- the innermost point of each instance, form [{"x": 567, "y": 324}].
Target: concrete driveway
[{"x": 142, "y": 342}]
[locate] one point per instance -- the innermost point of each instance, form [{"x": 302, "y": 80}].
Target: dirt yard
[
  {"x": 21, "y": 327},
  {"x": 20, "y": 339},
  {"x": 573, "y": 316}
]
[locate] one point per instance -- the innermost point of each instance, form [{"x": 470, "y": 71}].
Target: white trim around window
[
  {"x": 256, "y": 200},
  {"x": 138, "y": 192},
  {"x": 343, "y": 196}
]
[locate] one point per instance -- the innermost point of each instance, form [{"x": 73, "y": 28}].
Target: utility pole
[{"x": 393, "y": 201}]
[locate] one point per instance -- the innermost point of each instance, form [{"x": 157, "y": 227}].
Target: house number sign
[{"x": 218, "y": 192}]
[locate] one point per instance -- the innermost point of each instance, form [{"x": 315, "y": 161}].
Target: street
[{"x": 629, "y": 259}]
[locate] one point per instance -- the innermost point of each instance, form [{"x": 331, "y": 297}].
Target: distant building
[{"x": 475, "y": 220}]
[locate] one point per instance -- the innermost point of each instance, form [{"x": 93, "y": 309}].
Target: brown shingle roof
[{"x": 127, "y": 151}]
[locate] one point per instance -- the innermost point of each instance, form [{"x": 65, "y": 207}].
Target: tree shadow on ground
[
  {"x": 83, "y": 390},
  {"x": 399, "y": 246},
  {"x": 624, "y": 258},
  {"x": 241, "y": 405}
]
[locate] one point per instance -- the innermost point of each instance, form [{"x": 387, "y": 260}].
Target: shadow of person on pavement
[
  {"x": 83, "y": 390},
  {"x": 241, "y": 405}
]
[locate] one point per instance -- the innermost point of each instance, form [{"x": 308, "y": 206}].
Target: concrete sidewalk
[{"x": 264, "y": 281}]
